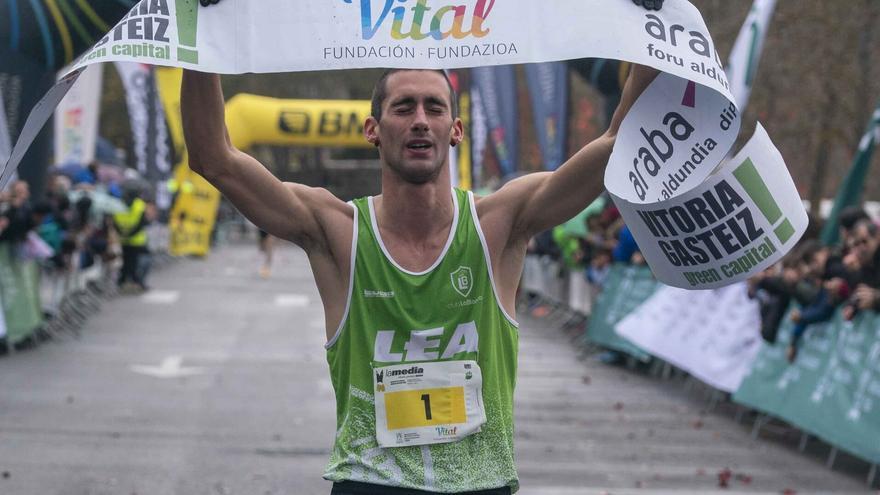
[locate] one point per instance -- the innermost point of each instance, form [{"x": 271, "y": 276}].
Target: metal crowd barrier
[
  {"x": 46, "y": 302},
  {"x": 570, "y": 299}
]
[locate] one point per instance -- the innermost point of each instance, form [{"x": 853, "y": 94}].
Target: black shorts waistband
[{"x": 358, "y": 488}]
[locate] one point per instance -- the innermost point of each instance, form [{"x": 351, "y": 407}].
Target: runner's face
[{"x": 417, "y": 126}]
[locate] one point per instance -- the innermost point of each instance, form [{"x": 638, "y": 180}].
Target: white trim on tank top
[
  {"x": 452, "y": 229},
  {"x": 354, "y": 240},
  {"x": 473, "y": 205}
]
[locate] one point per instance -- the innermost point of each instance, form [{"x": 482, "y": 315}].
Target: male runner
[{"x": 418, "y": 283}]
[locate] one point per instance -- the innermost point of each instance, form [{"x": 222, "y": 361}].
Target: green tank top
[{"x": 456, "y": 293}]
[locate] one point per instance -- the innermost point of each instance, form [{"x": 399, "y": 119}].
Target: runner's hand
[
  {"x": 650, "y": 4},
  {"x": 205, "y": 3}
]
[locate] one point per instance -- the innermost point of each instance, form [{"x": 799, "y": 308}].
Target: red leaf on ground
[
  {"x": 724, "y": 477},
  {"x": 618, "y": 406},
  {"x": 744, "y": 478},
  {"x": 789, "y": 491},
  {"x": 697, "y": 424}
]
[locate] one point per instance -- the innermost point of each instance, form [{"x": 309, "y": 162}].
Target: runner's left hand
[
  {"x": 205, "y": 3},
  {"x": 650, "y": 4}
]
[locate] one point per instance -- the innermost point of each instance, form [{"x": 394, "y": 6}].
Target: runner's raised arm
[
  {"x": 286, "y": 210},
  {"x": 310, "y": 217},
  {"x": 538, "y": 201}
]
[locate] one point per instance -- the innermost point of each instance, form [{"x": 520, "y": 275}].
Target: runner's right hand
[
  {"x": 205, "y": 3},
  {"x": 649, "y": 4}
]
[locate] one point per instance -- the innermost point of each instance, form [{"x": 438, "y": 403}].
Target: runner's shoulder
[
  {"x": 314, "y": 195},
  {"x": 322, "y": 214}
]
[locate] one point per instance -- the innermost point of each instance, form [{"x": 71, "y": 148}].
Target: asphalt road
[{"x": 215, "y": 383}]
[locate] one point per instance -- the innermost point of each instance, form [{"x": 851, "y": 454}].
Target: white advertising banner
[
  {"x": 2, "y": 324},
  {"x": 688, "y": 115},
  {"x": 479, "y": 135},
  {"x": 147, "y": 119},
  {"x": 5, "y": 142},
  {"x": 76, "y": 119},
  {"x": 714, "y": 334},
  {"x": 738, "y": 221}
]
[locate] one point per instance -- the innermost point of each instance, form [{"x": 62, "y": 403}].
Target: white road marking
[
  {"x": 292, "y": 300},
  {"x": 170, "y": 368},
  {"x": 161, "y": 296}
]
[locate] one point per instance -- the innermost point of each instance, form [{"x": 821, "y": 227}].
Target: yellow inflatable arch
[
  {"x": 255, "y": 120},
  {"x": 251, "y": 120}
]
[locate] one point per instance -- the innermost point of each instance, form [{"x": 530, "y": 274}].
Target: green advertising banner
[
  {"x": 625, "y": 289},
  {"x": 20, "y": 294},
  {"x": 831, "y": 390}
]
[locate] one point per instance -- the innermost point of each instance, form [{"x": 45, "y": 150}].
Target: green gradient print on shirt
[{"x": 390, "y": 313}]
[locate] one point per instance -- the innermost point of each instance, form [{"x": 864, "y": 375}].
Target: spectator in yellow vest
[{"x": 132, "y": 228}]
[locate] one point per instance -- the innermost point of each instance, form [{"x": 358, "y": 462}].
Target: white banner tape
[{"x": 669, "y": 144}]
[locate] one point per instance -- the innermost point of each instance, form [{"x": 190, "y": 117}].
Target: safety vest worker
[{"x": 132, "y": 223}]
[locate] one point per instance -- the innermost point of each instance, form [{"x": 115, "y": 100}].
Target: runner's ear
[{"x": 371, "y": 132}]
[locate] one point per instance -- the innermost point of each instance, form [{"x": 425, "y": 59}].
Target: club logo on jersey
[{"x": 462, "y": 280}]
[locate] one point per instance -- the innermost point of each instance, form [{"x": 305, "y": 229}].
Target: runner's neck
[{"x": 415, "y": 213}]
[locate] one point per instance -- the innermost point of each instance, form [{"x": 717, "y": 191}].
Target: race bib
[{"x": 428, "y": 403}]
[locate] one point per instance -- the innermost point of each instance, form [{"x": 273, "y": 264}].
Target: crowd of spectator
[
  {"x": 821, "y": 280},
  {"x": 808, "y": 286},
  {"x": 73, "y": 225},
  {"x": 590, "y": 243}
]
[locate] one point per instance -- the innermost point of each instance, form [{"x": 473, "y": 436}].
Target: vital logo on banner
[
  {"x": 415, "y": 20},
  {"x": 435, "y": 22},
  {"x": 548, "y": 87}
]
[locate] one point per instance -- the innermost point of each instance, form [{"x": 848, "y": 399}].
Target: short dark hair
[
  {"x": 380, "y": 91},
  {"x": 851, "y": 215},
  {"x": 808, "y": 249},
  {"x": 868, "y": 225}
]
